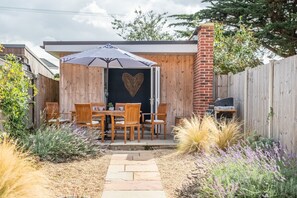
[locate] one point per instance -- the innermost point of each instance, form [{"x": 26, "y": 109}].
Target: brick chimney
[{"x": 203, "y": 69}]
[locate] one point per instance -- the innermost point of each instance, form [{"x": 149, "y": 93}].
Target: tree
[
  {"x": 274, "y": 22},
  {"x": 233, "y": 50},
  {"x": 144, "y": 27},
  {"x": 188, "y": 21},
  {"x": 233, "y": 53}
]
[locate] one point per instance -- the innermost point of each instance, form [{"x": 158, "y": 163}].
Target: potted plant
[{"x": 110, "y": 106}]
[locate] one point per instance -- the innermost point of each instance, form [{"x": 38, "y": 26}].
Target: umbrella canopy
[{"x": 108, "y": 56}]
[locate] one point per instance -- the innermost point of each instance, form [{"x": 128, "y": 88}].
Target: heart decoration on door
[{"x": 132, "y": 83}]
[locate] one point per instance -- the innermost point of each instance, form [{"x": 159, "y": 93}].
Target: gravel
[
  {"x": 173, "y": 169},
  {"x": 86, "y": 177},
  {"x": 79, "y": 178}
]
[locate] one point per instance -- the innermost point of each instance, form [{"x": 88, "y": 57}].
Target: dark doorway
[{"x": 119, "y": 93}]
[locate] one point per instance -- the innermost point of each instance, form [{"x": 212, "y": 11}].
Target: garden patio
[{"x": 213, "y": 158}]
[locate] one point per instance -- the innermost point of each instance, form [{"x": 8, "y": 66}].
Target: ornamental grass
[
  {"x": 207, "y": 134},
  {"x": 19, "y": 176}
]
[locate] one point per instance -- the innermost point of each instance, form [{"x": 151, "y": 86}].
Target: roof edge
[
  {"x": 25, "y": 47},
  {"x": 116, "y": 42}
]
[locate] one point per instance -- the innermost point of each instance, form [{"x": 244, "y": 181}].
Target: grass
[
  {"x": 205, "y": 135},
  {"x": 229, "y": 134},
  {"x": 195, "y": 134},
  {"x": 19, "y": 175}
]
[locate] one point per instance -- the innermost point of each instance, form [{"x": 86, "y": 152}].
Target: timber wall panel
[
  {"x": 80, "y": 84},
  {"x": 176, "y": 83}
]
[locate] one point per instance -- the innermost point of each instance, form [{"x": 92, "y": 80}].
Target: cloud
[
  {"x": 33, "y": 28},
  {"x": 101, "y": 20}
]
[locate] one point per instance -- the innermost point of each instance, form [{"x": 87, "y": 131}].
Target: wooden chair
[
  {"x": 53, "y": 115},
  {"x": 98, "y": 106},
  {"x": 85, "y": 117},
  {"x": 131, "y": 119},
  {"x": 119, "y": 105},
  {"x": 156, "y": 119}
]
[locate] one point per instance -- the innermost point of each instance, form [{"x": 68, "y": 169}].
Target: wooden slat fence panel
[
  {"x": 236, "y": 90},
  {"x": 48, "y": 91},
  {"x": 284, "y": 102},
  {"x": 266, "y": 100},
  {"x": 257, "y": 99},
  {"x": 221, "y": 86}
]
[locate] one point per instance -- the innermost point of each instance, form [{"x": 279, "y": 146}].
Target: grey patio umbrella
[{"x": 108, "y": 56}]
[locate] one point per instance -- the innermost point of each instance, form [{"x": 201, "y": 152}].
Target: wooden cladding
[
  {"x": 176, "y": 84},
  {"x": 80, "y": 84}
]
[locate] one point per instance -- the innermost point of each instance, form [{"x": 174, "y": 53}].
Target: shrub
[
  {"x": 241, "y": 171},
  {"x": 257, "y": 141},
  {"x": 18, "y": 174},
  {"x": 14, "y": 96},
  {"x": 195, "y": 134},
  {"x": 59, "y": 144},
  {"x": 205, "y": 134}
]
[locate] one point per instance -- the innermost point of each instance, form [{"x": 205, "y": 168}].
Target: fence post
[
  {"x": 270, "y": 98},
  {"x": 245, "y": 100},
  {"x": 36, "y": 102}
]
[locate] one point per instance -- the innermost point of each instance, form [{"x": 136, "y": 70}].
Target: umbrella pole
[{"x": 107, "y": 71}]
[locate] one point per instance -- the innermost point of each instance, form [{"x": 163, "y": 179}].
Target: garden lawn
[
  {"x": 78, "y": 178},
  {"x": 173, "y": 169}
]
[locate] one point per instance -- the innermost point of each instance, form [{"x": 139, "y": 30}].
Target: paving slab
[
  {"x": 133, "y": 194},
  {"x": 116, "y": 168},
  {"x": 133, "y": 185},
  {"x": 142, "y": 168},
  {"x": 119, "y": 176},
  {"x": 131, "y": 162},
  {"x": 147, "y": 176}
]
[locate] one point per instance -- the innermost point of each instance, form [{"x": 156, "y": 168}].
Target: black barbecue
[{"x": 222, "y": 108}]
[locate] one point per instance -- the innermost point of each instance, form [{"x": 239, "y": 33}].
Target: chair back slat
[
  {"x": 162, "y": 108},
  {"x": 132, "y": 113},
  {"x": 97, "y": 106},
  {"x": 83, "y": 113},
  {"x": 118, "y": 105},
  {"x": 52, "y": 110}
]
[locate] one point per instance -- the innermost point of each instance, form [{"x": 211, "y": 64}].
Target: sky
[{"x": 22, "y": 22}]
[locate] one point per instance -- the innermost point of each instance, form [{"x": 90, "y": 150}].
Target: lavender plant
[
  {"x": 60, "y": 144},
  {"x": 242, "y": 171}
]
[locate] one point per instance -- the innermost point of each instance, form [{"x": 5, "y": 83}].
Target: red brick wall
[{"x": 203, "y": 69}]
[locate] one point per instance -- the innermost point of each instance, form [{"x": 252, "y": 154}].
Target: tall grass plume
[
  {"x": 205, "y": 134},
  {"x": 19, "y": 176},
  {"x": 229, "y": 134},
  {"x": 195, "y": 134}
]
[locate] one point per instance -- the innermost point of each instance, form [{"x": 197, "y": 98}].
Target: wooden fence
[
  {"x": 266, "y": 99},
  {"x": 48, "y": 91}
]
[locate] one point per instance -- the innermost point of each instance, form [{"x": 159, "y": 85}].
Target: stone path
[{"x": 133, "y": 175}]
